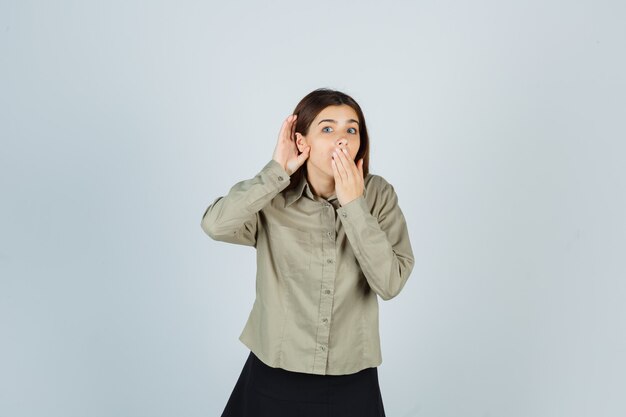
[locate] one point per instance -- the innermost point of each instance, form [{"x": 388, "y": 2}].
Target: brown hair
[{"x": 307, "y": 110}]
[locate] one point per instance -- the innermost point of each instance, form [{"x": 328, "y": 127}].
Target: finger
[
  {"x": 281, "y": 134},
  {"x": 293, "y": 126},
  {"x": 338, "y": 179},
  {"x": 284, "y": 130},
  {"x": 340, "y": 168},
  {"x": 357, "y": 168},
  {"x": 335, "y": 164},
  {"x": 346, "y": 163},
  {"x": 349, "y": 163}
]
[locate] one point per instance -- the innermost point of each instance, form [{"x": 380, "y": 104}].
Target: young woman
[{"x": 330, "y": 239}]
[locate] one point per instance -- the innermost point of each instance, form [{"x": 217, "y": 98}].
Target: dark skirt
[{"x": 263, "y": 391}]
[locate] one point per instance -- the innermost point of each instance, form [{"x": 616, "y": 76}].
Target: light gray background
[{"x": 501, "y": 125}]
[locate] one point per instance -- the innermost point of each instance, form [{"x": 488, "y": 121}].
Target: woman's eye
[
  {"x": 327, "y": 127},
  {"x": 352, "y": 130}
]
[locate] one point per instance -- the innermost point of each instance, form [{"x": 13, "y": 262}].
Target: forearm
[
  {"x": 235, "y": 213},
  {"x": 384, "y": 255}
]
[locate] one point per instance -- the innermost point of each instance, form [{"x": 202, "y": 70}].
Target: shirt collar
[
  {"x": 296, "y": 192},
  {"x": 303, "y": 187}
]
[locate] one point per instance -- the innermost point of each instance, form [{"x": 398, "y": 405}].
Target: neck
[{"x": 320, "y": 183}]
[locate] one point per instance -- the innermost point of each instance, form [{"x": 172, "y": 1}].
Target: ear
[{"x": 301, "y": 142}]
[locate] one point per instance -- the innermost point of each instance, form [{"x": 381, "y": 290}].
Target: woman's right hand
[{"x": 286, "y": 151}]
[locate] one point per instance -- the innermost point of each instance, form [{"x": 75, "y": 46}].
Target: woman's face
[{"x": 334, "y": 127}]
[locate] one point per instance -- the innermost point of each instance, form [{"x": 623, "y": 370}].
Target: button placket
[{"x": 328, "y": 271}]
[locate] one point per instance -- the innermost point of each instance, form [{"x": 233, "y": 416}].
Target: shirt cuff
[
  {"x": 355, "y": 209},
  {"x": 276, "y": 174}
]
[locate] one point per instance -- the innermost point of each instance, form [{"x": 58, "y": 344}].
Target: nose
[{"x": 342, "y": 142}]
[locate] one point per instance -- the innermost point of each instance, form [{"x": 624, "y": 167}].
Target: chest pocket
[{"x": 291, "y": 248}]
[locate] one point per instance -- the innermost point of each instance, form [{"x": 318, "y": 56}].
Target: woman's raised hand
[{"x": 286, "y": 151}]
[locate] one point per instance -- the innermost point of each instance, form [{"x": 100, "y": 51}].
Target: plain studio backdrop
[{"x": 500, "y": 125}]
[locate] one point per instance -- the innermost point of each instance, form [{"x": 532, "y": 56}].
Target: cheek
[
  {"x": 321, "y": 155},
  {"x": 353, "y": 150},
  {"x": 324, "y": 153}
]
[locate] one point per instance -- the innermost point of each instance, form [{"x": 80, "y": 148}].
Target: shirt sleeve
[
  {"x": 380, "y": 242},
  {"x": 233, "y": 218}
]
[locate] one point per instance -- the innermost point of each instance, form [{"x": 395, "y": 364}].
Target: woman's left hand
[{"x": 348, "y": 176}]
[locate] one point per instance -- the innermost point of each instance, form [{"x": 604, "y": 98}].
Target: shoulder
[
  {"x": 379, "y": 194},
  {"x": 375, "y": 183}
]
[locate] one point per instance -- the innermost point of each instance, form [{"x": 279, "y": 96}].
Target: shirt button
[
  {"x": 280, "y": 178},
  {"x": 325, "y": 320},
  {"x": 330, "y": 261},
  {"x": 344, "y": 214},
  {"x": 326, "y": 291},
  {"x": 323, "y": 347}
]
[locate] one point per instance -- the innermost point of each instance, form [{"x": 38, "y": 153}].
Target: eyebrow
[{"x": 334, "y": 121}]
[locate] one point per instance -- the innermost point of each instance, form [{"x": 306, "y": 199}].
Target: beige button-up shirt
[{"x": 320, "y": 268}]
